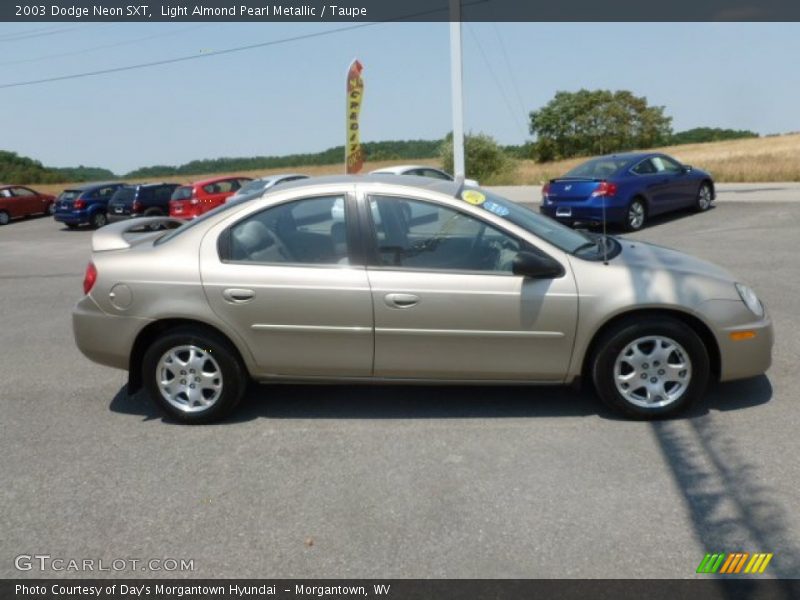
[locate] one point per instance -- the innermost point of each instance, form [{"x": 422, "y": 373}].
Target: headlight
[{"x": 750, "y": 300}]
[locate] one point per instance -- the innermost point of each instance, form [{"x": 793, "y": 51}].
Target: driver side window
[{"x": 416, "y": 234}]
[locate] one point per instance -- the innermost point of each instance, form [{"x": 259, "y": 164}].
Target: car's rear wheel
[
  {"x": 704, "y": 198},
  {"x": 650, "y": 367},
  {"x": 99, "y": 219},
  {"x": 636, "y": 215},
  {"x": 193, "y": 375},
  {"x": 154, "y": 212},
  {"x": 4, "y": 217}
]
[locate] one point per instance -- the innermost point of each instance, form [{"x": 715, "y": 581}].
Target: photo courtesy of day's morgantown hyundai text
[{"x": 407, "y": 279}]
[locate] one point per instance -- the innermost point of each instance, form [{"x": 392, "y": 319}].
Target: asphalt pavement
[{"x": 386, "y": 481}]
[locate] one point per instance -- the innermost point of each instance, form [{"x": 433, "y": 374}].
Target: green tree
[
  {"x": 597, "y": 122},
  {"x": 484, "y": 158}
]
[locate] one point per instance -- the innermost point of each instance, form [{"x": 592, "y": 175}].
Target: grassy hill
[{"x": 765, "y": 159}]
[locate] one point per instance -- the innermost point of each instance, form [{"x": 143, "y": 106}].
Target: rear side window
[
  {"x": 104, "y": 192},
  {"x": 309, "y": 231},
  {"x": 644, "y": 168},
  {"x": 222, "y": 187},
  {"x": 182, "y": 193}
]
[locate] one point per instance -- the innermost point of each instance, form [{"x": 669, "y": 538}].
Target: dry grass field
[{"x": 775, "y": 158}]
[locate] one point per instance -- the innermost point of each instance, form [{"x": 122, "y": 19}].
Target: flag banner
[{"x": 353, "y": 153}]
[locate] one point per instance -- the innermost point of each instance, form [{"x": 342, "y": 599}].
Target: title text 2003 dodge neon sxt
[{"x": 376, "y": 279}]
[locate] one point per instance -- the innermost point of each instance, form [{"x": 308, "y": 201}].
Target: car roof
[
  {"x": 216, "y": 179},
  {"x": 397, "y": 169},
  {"x": 449, "y": 188},
  {"x": 281, "y": 176},
  {"x": 91, "y": 186}
]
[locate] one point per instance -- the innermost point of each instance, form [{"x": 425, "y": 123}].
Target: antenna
[{"x": 605, "y": 236}]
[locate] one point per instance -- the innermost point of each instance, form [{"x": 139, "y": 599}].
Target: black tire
[
  {"x": 99, "y": 219},
  {"x": 72, "y": 225},
  {"x": 154, "y": 212},
  {"x": 5, "y": 218},
  {"x": 704, "y": 197},
  {"x": 233, "y": 376},
  {"x": 635, "y": 215},
  {"x": 667, "y": 329}
]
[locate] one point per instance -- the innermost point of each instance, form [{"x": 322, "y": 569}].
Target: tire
[
  {"x": 220, "y": 377},
  {"x": 703, "y": 200},
  {"x": 153, "y": 212},
  {"x": 72, "y": 225},
  {"x": 98, "y": 220},
  {"x": 635, "y": 215},
  {"x": 651, "y": 385},
  {"x": 4, "y": 217}
]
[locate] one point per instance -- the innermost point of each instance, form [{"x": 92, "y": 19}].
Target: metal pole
[{"x": 456, "y": 89}]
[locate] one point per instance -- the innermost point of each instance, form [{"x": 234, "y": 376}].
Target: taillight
[
  {"x": 79, "y": 203},
  {"x": 137, "y": 206},
  {"x": 545, "y": 189},
  {"x": 89, "y": 278},
  {"x": 605, "y": 188}
]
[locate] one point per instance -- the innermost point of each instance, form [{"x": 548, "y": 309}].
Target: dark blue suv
[{"x": 85, "y": 204}]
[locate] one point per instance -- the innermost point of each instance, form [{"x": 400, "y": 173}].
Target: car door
[
  {"x": 671, "y": 189},
  {"x": 288, "y": 281},
  {"x": 655, "y": 184},
  {"x": 26, "y": 200},
  {"x": 684, "y": 186},
  {"x": 447, "y": 305}
]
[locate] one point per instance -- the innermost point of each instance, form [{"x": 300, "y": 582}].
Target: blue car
[
  {"x": 85, "y": 204},
  {"x": 626, "y": 189}
]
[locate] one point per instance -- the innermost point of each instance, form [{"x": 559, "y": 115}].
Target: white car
[
  {"x": 264, "y": 183},
  {"x": 420, "y": 171}
]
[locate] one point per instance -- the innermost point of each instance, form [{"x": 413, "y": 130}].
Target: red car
[
  {"x": 20, "y": 201},
  {"x": 190, "y": 201}
]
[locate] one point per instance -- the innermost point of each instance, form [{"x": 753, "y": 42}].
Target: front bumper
[{"x": 745, "y": 341}]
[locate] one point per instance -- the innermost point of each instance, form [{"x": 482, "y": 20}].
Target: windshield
[
  {"x": 598, "y": 168},
  {"x": 546, "y": 228}
]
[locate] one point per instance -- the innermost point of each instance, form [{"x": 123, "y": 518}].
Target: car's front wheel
[
  {"x": 704, "y": 198},
  {"x": 4, "y": 218},
  {"x": 650, "y": 367},
  {"x": 193, "y": 375},
  {"x": 635, "y": 215}
]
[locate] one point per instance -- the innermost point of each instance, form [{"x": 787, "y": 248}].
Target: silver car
[{"x": 413, "y": 281}]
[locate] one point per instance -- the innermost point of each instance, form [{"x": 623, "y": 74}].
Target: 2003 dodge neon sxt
[{"x": 376, "y": 279}]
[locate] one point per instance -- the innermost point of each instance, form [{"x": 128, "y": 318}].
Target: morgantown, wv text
[
  {"x": 172, "y": 591},
  {"x": 274, "y": 10}
]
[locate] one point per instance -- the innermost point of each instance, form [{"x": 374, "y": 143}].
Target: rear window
[
  {"x": 222, "y": 187},
  {"x": 124, "y": 194},
  {"x": 599, "y": 168},
  {"x": 254, "y": 186},
  {"x": 69, "y": 194},
  {"x": 182, "y": 193}
]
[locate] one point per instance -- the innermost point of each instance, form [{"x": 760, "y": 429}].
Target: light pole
[{"x": 456, "y": 90}]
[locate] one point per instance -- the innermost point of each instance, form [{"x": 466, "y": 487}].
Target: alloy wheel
[
  {"x": 652, "y": 371},
  {"x": 189, "y": 378}
]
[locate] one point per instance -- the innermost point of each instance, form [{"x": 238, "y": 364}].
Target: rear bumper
[
  {"x": 582, "y": 211},
  {"x": 73, "y": 217},
  {"x": 91, "y": 327}
]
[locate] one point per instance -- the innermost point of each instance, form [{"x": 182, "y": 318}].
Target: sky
[{"x": 289, "y": 97}]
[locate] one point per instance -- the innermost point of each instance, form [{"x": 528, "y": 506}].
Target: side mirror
[
  {"x": 687, "y": 168},
  {"x": 536, "y": 266}
]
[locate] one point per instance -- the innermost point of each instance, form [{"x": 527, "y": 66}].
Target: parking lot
[{"x": 377, "y": 481}]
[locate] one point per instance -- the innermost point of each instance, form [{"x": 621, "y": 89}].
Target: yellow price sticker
[{"x": 473, "y": 197}]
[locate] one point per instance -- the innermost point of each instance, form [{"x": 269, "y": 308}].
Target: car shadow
[{"x": 379, "y": 401}]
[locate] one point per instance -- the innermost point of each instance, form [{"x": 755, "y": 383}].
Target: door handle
[
  {"x": 401, "y": 300},
  {"x": 238, "y": 295}
]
